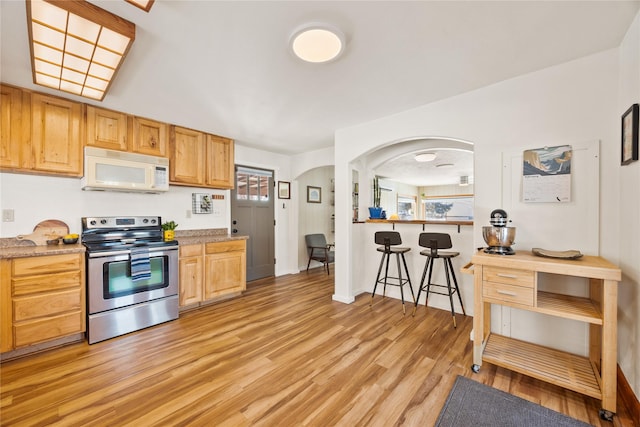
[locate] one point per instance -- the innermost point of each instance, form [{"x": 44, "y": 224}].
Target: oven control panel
[{"x": 121, "y": 222}]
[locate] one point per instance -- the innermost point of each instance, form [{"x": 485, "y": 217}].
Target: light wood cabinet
[
  {"x": 56, "y": 135},
  {"x": 43, "y": 298},
  {"x": 513, "y": 281},
  {"x": 220, "y": 162},
  {"x": 186, "y": 156},
  {"x": 212, "y": 270},
  {"x": 106, "y": 129},
  {"x": 148, "y": 136},
  {"x": 191, "y": 274},
  {"x": 225, "y": 268},
  {"x": 15, "y": 143},
  {"x": 200, "y": 160}
]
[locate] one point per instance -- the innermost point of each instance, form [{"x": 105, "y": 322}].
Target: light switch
[{"x": 7, "y": 215}]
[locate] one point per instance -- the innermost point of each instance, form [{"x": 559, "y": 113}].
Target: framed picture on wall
[
  {"x": 314, "y": 194},
  {"x": 284, "y": 190},
  {"x": 630, "y": 135}
]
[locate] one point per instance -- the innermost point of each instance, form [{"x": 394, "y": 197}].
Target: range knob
[
  {"x": 103, "y": 221},
  {"x": 153, "y": 221},
  {"x": 145, "y": 220},
  {"x": 92, "y": 222}
]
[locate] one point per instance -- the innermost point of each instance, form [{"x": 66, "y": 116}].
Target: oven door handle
[{"x": 152, "y": 252}]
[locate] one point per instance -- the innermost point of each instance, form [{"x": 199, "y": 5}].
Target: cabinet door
[
  {"x": 148, "y": 137},
  {"x": 14, "y": 129},
  {"x": 187, "y": 156},
  {"x": 225, "y": 273},
  {"x": 56, "y": 132},
  {"x": 6, "y": 307},
  {"x": 220, "y": 162},
  {"x": 106, "y": 129},
  {"x": 190, "y": 280}
]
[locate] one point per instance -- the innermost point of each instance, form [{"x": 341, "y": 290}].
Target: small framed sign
[
  {"x": 284, "y": 190},
  {"x": 314, "y": 194},
  {"x": 629, "y": 147}
]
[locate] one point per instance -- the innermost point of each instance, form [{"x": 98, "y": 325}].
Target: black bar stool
[
  {"x": 390, "y": 241},
  {"x": 434, "y": 242}
]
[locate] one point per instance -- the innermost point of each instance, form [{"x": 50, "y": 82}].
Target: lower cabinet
[
  {"x": 212, "y": 270},
  {"x": 43, "y": 298}
]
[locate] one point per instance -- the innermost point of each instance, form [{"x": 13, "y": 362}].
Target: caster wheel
[
  {"x": 606, "y": 415},
  {"x": 475, "y": 368}
]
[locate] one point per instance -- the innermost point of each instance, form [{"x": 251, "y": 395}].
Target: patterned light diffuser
[{"x": 76, "y": 47}]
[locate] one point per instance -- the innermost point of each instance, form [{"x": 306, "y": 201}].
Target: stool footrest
[{"x": 396, "y": 279}]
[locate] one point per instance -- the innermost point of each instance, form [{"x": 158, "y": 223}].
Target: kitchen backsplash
[{"x": 35, "y": 198}]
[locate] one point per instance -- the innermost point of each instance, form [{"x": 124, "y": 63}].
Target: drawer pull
[
  {"x": 511, "y": 294},
  {"x": 508, "y": 276}
]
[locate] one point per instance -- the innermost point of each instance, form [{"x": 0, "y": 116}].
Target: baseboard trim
[{"x": 627, "y": 397}]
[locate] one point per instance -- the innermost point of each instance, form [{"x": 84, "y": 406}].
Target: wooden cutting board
[{"x": 48, "y": 229}]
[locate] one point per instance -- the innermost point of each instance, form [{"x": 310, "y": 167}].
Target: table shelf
[{"x": 557, "y": 367}]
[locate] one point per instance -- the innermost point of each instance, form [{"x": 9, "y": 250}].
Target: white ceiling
[{"x": 225, "y": 68}]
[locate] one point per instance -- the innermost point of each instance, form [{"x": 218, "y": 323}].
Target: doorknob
[{"x": 235, "y": 230}]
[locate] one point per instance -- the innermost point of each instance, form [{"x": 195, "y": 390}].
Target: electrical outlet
[
  {"x": 216, "y": 212},
  {"x": 7, "y": 215},
  {"x": 188, "y": 213}
]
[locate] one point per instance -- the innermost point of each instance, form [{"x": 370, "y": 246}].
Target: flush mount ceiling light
[
  {"x": 76, "y": 47},
  {"x": 317, "y": 43},
  {"x": 142, "y": 4},
  {"x": 425, "y": 157}
]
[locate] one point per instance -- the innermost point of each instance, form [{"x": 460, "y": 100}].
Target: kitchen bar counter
[{"x": 418, "y": 221}]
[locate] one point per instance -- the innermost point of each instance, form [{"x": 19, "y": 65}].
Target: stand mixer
[{"x": 498, "y": 236}]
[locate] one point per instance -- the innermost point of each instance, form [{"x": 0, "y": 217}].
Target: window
[
  {"x": 252, "y": 184},
  {"x": 448, "y": 208}
]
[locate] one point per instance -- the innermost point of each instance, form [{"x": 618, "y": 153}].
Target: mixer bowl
[{"x": 499, "y": 236}]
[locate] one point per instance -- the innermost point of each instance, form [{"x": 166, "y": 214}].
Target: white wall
[
  {"x": 35, "y": 198},
  {"x": 566, "y": 104},
  {"x": 629, "y": 219}
]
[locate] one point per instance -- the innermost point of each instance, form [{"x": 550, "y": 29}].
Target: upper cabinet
[
  {"x": 106, "y": 129},
  {"x": 200, "y": 160},
  {"x": 148, "y": 136},
  {"x": 220, "y": 161},
  {"x": 186, "y": 156},
  {"x": 56, "y": 135},
  {"x": 44, "y": 134},
  {"x": 15, "y": 124}
]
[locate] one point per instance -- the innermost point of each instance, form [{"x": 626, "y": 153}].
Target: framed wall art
[
  {"x": 629, "y": 147},
  {"x": 314, "y": 194},
  {"x": 284, "y": 190}
]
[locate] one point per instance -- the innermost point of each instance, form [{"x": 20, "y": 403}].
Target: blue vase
[{"x": 375, "y": 213}]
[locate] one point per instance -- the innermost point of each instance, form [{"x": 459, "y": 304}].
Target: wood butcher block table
[{"x": 513, "y": 281}]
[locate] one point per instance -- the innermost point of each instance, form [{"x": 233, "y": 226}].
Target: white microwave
[{"x": 120, "y": 171}]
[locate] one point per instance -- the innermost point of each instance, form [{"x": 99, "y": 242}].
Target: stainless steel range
[{"x": 132, "y": 275}]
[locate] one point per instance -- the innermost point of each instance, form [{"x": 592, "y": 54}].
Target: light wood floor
[{"x": 284, "y": 354}]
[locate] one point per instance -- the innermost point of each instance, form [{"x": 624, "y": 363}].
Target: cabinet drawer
[
  {"x": 31, "y": 332},
  {"x": 46, "y": 264},
  {"x": 46, "y": 304},
  {"x": 509, "y": 276},
  {"x": 46, "y": 283},
  {"x": 190, "y": 250},
  {"x": 221, "y": 247},
  {"x": 508, "y": 293}
]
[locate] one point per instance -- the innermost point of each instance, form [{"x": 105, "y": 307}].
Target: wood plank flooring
[{"x": 283, "y": 354}]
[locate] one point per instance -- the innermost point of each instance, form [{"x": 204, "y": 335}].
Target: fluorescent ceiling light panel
[
  {"x": 317, "y": 43},
  {"x": 142, "y": 4},
  {"x": 76, "y": 47}
]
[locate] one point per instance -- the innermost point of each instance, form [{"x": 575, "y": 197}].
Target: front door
[{"x": 252, "y": 215}]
